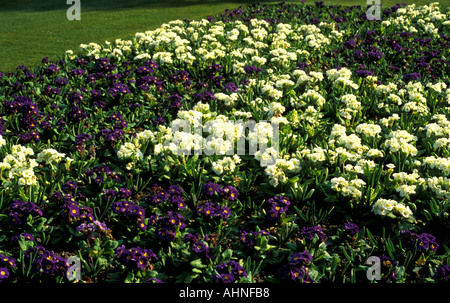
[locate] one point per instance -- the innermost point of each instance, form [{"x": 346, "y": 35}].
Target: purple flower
[
  {"x": 104, "y": 65},
  {"x": 310, "y": 232},
  {"x": 61, "y": 81},
  {"x": 364, "y": 73},
  {"x": 210, "y": 188},
  {"x": 52, "y": 69},
  {"x": 229, "y": 272},
  {"x": 411, "y": 77},
  {"x": 443, "y": 272},
  {"x": 213, "y": 69},
  {"x": 179, "y": 201},
  {"x": 252, "y": 70},
  {"x": 351, "y": 228},
  {"x": 4, "y": 273},
  {"x": 143, "y": 70},
  {"x": 230, "y": 87},
  {"x": 374, "y": 54},
  {"x": 349, "y": 44},
  {"x": 118, "y": 89},
  {"x": 276, "y": 206},
  {"x": 76, "y": 114},
  {"x": 300, "y": 258},
  {"x": 27, "y": 237},
  {"x": 205, "y": 96},
  {"x": 175, "y": 190},
  {"x": 19, "y": 211},
  {"x": 135, "y": 257},
  {"x": 46, "y": 261},
  {"x": 229, "y": 193},
  {"x": 213, "y": 210},
  {"x": 6, "y": 261},
  {"x": 77, "y": 72},
  {"x": 70, "y": 186}
]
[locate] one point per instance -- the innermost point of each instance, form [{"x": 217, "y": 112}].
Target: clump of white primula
[
  {"x": 401, "y": 141},
  {"x": 130, "y": 151},
  {"x": 313, "y": 37},
  {"x": 406, "y": 184},
  {"x": 369, "y": 130},
  {"x": 316, "y": 154},
  {"x": 277, "y": 172},
  {"x": 274, "y": 109},
  {"x": 310, "y": 78},
  {"x": 341, "y": 77},
  {"x": 384, "y": 207},
  {"x": 227, "y": 165},
  {"x": 227, "y": 99},
  {"x": 438, "y": 131},
  {"x": 50, "y": 156},
  {"x": 348, "y": 188},
  {"x": 351, "y": 106},
  {"x": 439, "y": 163},
  {"x": 440, "y": 186},
  {"x": 18, "y": 166},
  {"x": 311, "y": 97}
]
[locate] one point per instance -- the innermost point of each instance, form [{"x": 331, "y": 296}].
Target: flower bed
[{"x": 138, "y": 157}]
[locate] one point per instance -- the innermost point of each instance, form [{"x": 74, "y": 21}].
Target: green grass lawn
[{"x": 31, "y": 30}]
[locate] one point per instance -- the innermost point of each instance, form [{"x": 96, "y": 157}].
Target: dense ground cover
[
  {"x": 31, "y": 30},
  {"x": 91, "y": 164}
]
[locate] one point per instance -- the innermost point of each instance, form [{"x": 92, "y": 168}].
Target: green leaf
[
  {"x": 226, "y": 255},
  {"x": 197, "y": 263}
]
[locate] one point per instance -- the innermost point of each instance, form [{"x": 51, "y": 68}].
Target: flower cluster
[
  {"x": 247, "y": 238},
  {"x": 46, "y": 261},
  {"x": 20, "y": 210},
  {"x": 168, "y": 226},
  {"x": 130, "y": 212},
  {"x": 6, "y": 264},
  {"x": 443, "y": 272},
  {"x": 19, "y": 167},
  {"x": 136, "y": 257},
  {"x": 91, "y": 230},
  {"x": 276, "y": 207},
  {"x": 214, "y": 210},
  {"x": 173, "y": 195},
  {"x": 423, "y": 241},
  {"x": 296, "y": 269},
  {"x": 227, "y": 192},
  {"x": 50, "y": 156},
  {"x": 308, "y": 233},
  {"x": 229, "y": 272},
  {"x": 384, "y": 207},
  {"x": 351, "y": 229},
  {"x": 200, "y": 245}
]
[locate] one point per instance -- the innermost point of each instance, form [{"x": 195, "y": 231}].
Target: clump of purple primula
[
  {"x": 20, "y": 210},
  {"x": 168, "y": 226},
  {"x": 46, "y": 262},
  {"x": 7, "y": 264},
  {"x": 229, "y": 272},
  {"x": 202, "y": 246},
  {"x": 219, "y": 198},
  {"x": 130, "y": 212},
  {"x": 423, "y": 242},
  {"x": 171, "y": 196},
  {"x": 297, "y": 268},
  {"x": 251, "y": 238},
  {"x": 135, "y": 258},
  {"x": 276, "y": 206}
]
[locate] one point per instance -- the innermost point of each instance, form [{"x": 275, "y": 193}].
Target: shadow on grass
[{"x": 102, "y": 5}]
